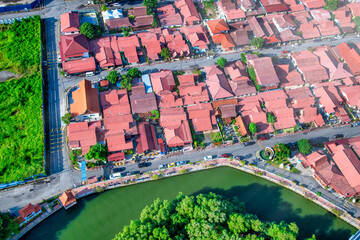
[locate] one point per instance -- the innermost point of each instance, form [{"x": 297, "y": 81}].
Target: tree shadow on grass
[{"x": 267, "y": 203}]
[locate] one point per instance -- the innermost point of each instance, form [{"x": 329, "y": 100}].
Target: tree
[
  {"x": 7, "y": 225},
  {"x": 126, "y": 82},
  {"x": 282, "y": 151},
  {"x": 155, "y": 114},
  {"x": 252, "y": 128},
  {"x": 98, "y": 151},
  {"x": 270, "y": 118},
  {"x": 257, "y": 42},
  {"x": 304, "y": 146},
  {"x": 66, "y": 118},
  {"x": 150, "y": 5},
  {"x": 112, "y": 77},
  {"x": 126, "y": 31},
  {"x": 88, "y": 30},
  {"x": 134, "y": 73},
  {"x": 204, "y": 216},
  {"x": 104, "y": 8},
  {"x": 166, "y": 54},
  {"x": 252, "y": 73},
  {"x": 243, "y": 57},
  {"x": 357, "y": 23},
  {"x": 221, "y": 62},
  {"x": 331, "y": 5}
]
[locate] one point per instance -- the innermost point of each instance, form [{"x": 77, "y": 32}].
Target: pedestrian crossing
[
  {"x": 60, "y": 129},
  {"x": 56, "y": 139}
]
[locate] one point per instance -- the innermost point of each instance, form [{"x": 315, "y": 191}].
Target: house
[
  {"x": 169, "y": 99},
  {"x": 79, "y": 66},
  {"x": 252, "y": 112},
  {"x": 311, "y": 4},
  {"x": 227, "y": 108},
  {"x": 86, "y": 102},
  {"x": 197, "y": 37},
  {"x": 84, "y": 135},
  {"x": 294, "y": 6},
  {"x": 309, "y": 66},
  {"x": 175, "y": 43},
  {"x": 355, "y": 9},
  {"x": 141, "y": 19},
  {"x": 28, "y": 212},
  {"x": 117, "y": 23},
  {"x": 247, "y": 5},
  {"x": 131, "y": 47},
  {"x": 239, "y": 32},
  {"x": 153, "y": 42},
  {"x": 336, "y": 69},
  {"x": 146, "y": 141},
  {"x": 265, "y": 72},
  {"x": 343, "y": 19},
  {"x": 352, "y": 95},
  {"x": 309, "y": 31},
  {"x": 188, "y": 11},
  {"x": 67, "y": 199},
  {"x": 162, "y": 81},
  {"x": 283, "y": 22},
  {"x": 350, "y": 56},
  {"x": 176, "y": 127},
  {"x": 242, "y": 128},
  {"x": 219, "y": 32},
  {"x": 262, "y": 29},
  {"x": 303, "y": 103},
  {"x": 238, "y": 79},
  {"x": 168, "y": 16},
  {"x": 73, "y": 46},
  {"x": 69, "y": 22},
  {"x": 217, "y": 83},
  {"x": 191, "y": 92},
  {"x": 272, "y": 6},
  {"x": 328, "y": 28},
  {"x": 202, "y": 117},
  {"x": 141, "y": 102},
  {"x": 288, "y": 79},
  {"x": 230, "y": 11},
  {"x": 106, "y": 51},
  {"x": 320, "y": 15},
  {"x": 115, "y": 157}
]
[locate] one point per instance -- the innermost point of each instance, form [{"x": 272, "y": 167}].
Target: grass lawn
[
  {"x": 208, "y": 11},
  {"x": 21, "y": 135}
]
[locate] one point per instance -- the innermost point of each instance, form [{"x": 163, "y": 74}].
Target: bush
[
  {"x": 99, "y": 189},
  {"x": 257, "y": 42},
  {"x": 166, "y": 54},
  {"x": 319, "y": 194},
  {"x": 90, "y": 31},
  {"x": 304, "y": 146},
  {"x": 183, "y": 171},
  {"x": 252, "y": 128},
  {"x": 155, "y": 177},
  {"x": 221, "y": 62},
  {"x": 98, "y": 151}
]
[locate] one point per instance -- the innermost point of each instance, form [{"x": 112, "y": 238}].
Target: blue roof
[
  {"x": 83, "y": 171},
  {"x": 147, "y": 83}
]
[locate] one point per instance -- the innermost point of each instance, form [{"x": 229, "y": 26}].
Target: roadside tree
[
  {"x": 112, "y": 77},
  {"x": 166, "y": 54},
  {"x": 98, "y": 151},
  {"x": 270, "y": 118},
  {"x": 331, "y": 5},
  {"x": 252, "y": 128},
  {"x": 7, "y": 225},
  {"x": 257, "y": 42},
  {"x": 66, "y": 118},
  {"x": 104, "y": 8},
  {"x": 134, "y": 73},
  {"x": 150, "y": 5},
  {"x": 304, "y": 146},
  {"x": 221, "y": 62},
  {"x": 357, "y": 23},
  {"x": 282, "y": 151}
]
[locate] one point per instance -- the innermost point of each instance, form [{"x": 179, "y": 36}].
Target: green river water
[{"x": 100, "y": 217}]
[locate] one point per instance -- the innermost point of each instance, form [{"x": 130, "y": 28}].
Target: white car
[{"x": 207, "y": 158}]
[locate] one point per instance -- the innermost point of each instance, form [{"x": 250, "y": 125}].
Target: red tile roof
[
  {"x": 287, "y": 78},
  {"x": 355, "y": 9},
  {"x": 168, "y": 16},
  {"x": 343, "y": 16},
  {"x": 83, "y": 135},
  {"x": 67, "y": 198},
  {"x": 188, "y": 11},
  {"x": 351, "y": 95},
  {"x": 169, "y": 99},
  {"x": 143, "y": 21},
  {"x": 79, "y": 66},
  {"x": 147, "y": 139},
  {"x": 243, "y": 130},
  {"x": 228, "y": 110},
  {"x": 118, "y": 23},
  {"x": 117, "y": 142},
  {"x": 137, "y": 11},
  {"x": 106, "y": 51},
  {"x": 163, "y": 80},
  {"x": 190, "y": 92},
  {"x": 85, "y": 99},
  {"x": 202, "y": 116},
  {"x": 217, "y": 26},
  {"x": 116, "y": 157},
  {"x": 225, "y": 40},
  {"x": 328, "y": 28},
  {"x": 274, "y": 6},
  {"x": 142, "y": 102},
  {"x": 262, "y": 29},
  {"x": 29, "y": 209},
  {"x": 69, "y": 22},
  {"x": 75, "y": 45},
  {"x": 350, "y": 56},
  {"x": 152, "y": 41},
  {"x": 217, "y": 83},
  {"x": 327, "y": 99},
  {"x": 309, "y": 30},
  {"x": 115, "y": 103},
  {"x": 129, "y": 46},
  {"x": 310, "y": 4},
  {"x": 231, "y": 11},
  {"x": 196, "y": 35},
  {"x": 240, "y": 37},
  {"x": 265, "y": 71}
]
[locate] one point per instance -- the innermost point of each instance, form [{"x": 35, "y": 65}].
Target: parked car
[
  {"x": 284, "y": 51},
  {"x": 115, "y": 170},
  {"x": 207, "y": 158},
  {"x": 171, "y": 165},
  {"x": 134, "y": 172},
  {"x": 162, "y": 166},
  {"x": 182, "y": 163},
  {"x": 265, "y": 137},
  {"x": 225, "y": 155},
  {"x": 248, "y": 143},
  {"x": 238, "y": 157},
  {"x": 355, "y": 124},
  {"x": 338, "y": 136},
  {"x": 143, "y": 164}
]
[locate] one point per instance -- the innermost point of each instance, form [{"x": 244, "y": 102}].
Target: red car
[
  {"x": 224, "y": 155},
  {"x": 285, "y": 51}
]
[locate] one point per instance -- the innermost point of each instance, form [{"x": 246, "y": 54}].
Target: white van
[
  {"x": 207, "y": 158},
  {"x": 115, "y": 175},
  {"x": 89, "y": 74}
]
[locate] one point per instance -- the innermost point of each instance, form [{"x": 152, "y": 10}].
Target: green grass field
[{"x": 21, "y": 130}]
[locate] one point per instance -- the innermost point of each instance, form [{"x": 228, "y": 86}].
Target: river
[{"x": 100, "y": 217}]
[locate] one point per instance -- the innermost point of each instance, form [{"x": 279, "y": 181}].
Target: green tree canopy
[
  {"x": 90, "y": 31},
  {"x": 257, "y": 42},
  {"x": 282, "y": 151},
  {"x": 205, "y": 216},
  {"x": 150, "y": 5},
  {"x": 252, "y": 128},
  {"x": 166, "y": 54},
  {"x": 134, "y": 73},
  {"x": 7, "y": 226},
  {"x": 98, "y": 151},
  {"x": 221, "y": 62},
  {"x": 357, "y": 22},
  {"x": 66, "y": 118},
  {"x": 331, "y": 5},
  {"x": 104, "y": 8},
  {"x": 112, "y": 77},
  {"x": 126, "y": 82},
  {"x": 304, "y": 146},
  {"x": 270, "y": 118},
  {"x": 155, "y": 114}
]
